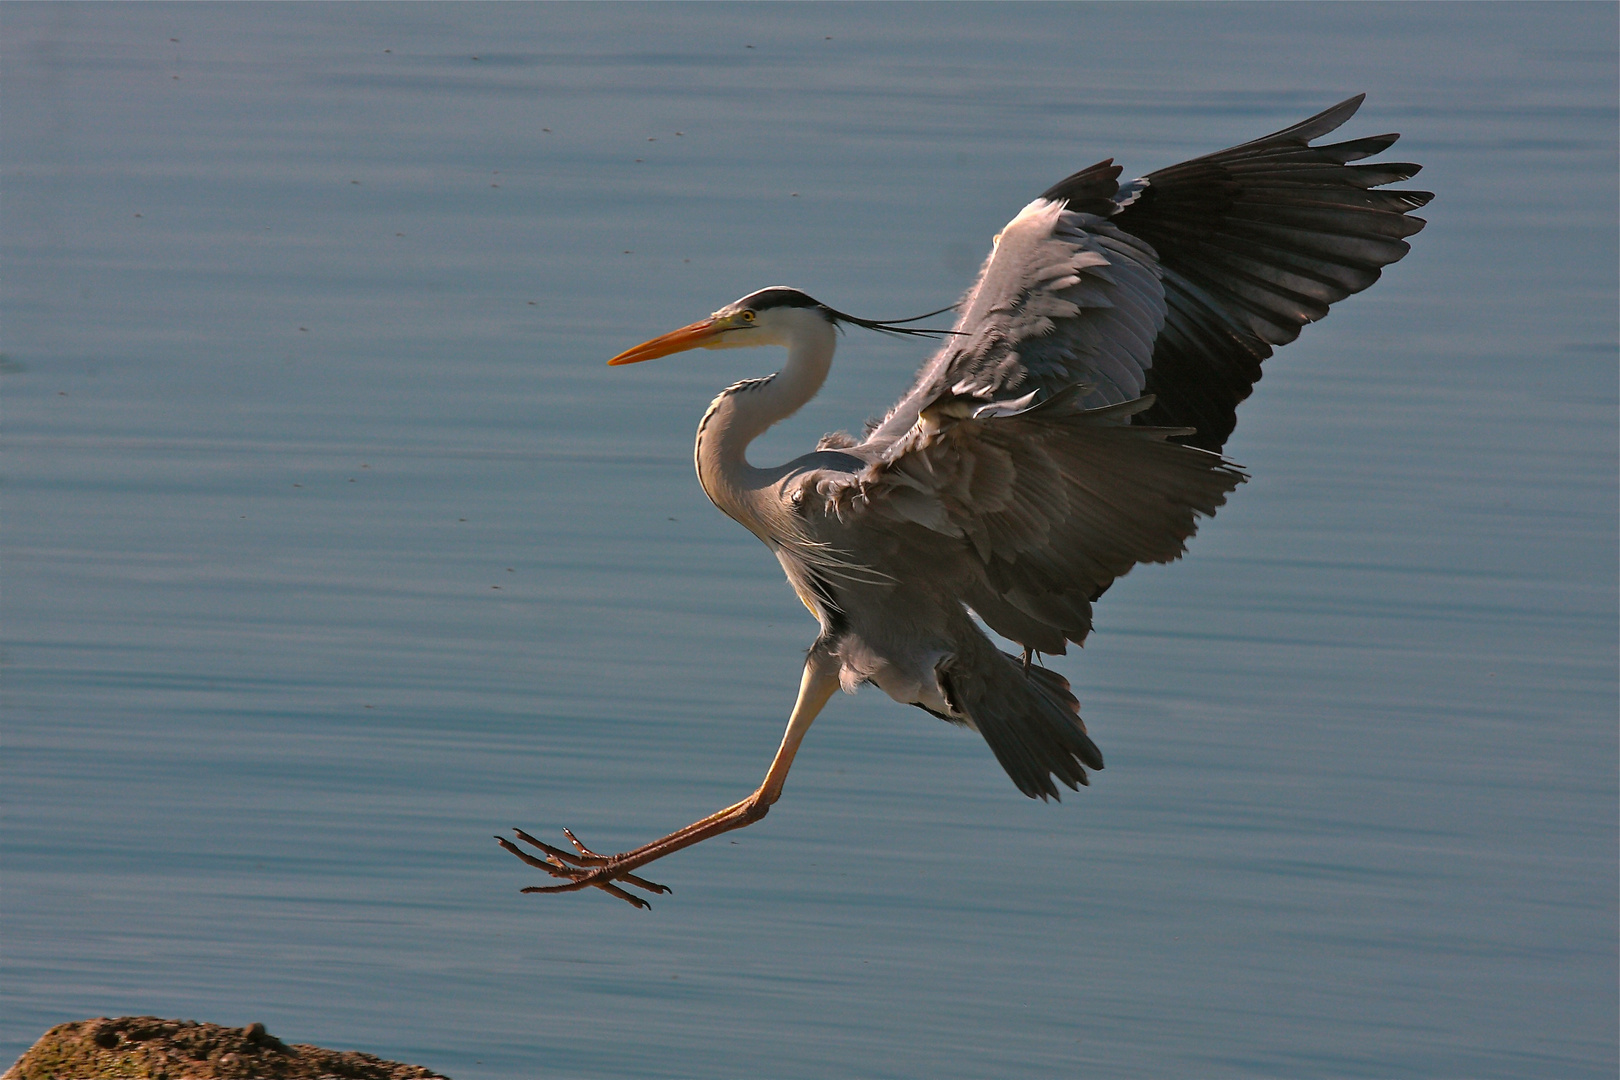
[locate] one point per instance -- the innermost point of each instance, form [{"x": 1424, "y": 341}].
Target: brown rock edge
[{"x": 150, "y": 1048}]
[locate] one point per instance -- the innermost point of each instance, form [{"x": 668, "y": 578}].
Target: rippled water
[{"x": 331, "y": 548}]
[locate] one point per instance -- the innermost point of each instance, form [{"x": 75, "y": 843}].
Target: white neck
[{"x": 746, "y": 410}]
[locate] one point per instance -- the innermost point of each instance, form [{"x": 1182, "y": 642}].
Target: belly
[{"x": 909, "y": 679}]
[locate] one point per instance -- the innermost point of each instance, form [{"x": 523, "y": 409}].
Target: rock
[{"x": 150, "y": 1048}]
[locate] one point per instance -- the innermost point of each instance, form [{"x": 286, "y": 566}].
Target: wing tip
[{"x": 1335, "y": 115}]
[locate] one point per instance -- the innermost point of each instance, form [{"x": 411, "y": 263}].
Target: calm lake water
[{"x": 332, "y": 548}]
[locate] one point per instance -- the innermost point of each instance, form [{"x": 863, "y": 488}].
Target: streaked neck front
[{"x": 745, "y": 410}]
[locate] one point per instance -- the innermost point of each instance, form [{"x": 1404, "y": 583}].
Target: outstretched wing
[
  {"x": 1111, "y": 332},
  {"x": 1178, "y": 284}
]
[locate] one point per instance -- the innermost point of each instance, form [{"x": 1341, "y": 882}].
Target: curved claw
[
  {"x": 552, "y": 867},
  {"x": 605, "y": 886},
  {"x": 587, "y": 857},
  {"x": 584, "y": 869},
  {"x": 582, "y": 859}
]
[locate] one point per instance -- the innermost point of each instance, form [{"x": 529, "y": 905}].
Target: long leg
[{"x": 585, "y": 868}]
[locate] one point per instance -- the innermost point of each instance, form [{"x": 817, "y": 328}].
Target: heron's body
[
  {"x": 892, "y": 643},
  {"x": 882, "y": 621},
  {"x": 1068, "y": 429}
]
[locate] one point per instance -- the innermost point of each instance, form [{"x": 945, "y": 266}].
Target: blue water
[{"x": 330, "y": 548}]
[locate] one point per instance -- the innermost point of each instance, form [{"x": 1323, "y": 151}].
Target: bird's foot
[{"x": 582, "y": 867}]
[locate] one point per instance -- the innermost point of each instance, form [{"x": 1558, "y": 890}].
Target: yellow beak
[{"x": 687, "y": 337}]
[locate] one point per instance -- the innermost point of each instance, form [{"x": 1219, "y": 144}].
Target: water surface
[{"x": 331, "y": 547}]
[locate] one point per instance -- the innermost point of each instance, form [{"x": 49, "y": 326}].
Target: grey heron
[{"x": 1069, "y": 427}]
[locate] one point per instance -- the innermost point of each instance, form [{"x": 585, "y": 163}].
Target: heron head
[
  {"x": 777, "y": 315},
  {"x": 767, "y": 317}
]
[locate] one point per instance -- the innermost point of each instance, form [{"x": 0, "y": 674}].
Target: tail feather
[{"x": 1028, "y": 716}]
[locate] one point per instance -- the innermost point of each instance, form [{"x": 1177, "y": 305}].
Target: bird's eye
[{"x": 747, "y": 316}]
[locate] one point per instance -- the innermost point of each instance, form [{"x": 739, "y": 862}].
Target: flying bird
[{"x": 1069, "y": 427}]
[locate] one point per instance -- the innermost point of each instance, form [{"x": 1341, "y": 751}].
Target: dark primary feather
[
  {"x": 1254, "y": 242},
  {"x": 1090, "y": 191}
]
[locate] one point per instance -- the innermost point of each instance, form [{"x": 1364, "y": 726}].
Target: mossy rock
[{"x": 150, "y": 1048}]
